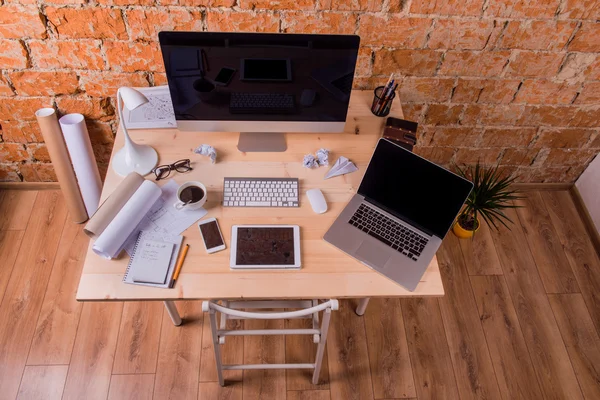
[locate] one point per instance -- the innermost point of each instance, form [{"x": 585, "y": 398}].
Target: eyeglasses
[{"x": 163, "y": 171}]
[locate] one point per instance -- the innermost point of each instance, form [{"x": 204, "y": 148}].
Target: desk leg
[
  {"x": 362, "y": 306},
  {"x": 173, "y": 313}
]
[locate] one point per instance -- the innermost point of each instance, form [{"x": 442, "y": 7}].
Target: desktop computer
[{"x": 259, "y": 84}]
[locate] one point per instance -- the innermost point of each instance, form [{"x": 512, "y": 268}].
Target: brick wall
[{"x": 503, "y": 81}]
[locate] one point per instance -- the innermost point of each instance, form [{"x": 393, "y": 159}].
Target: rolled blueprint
[
  {"x": 112, "y": 205},
  {"x": 59, "y": 155},
  {"x": 82, "y": 157},
  {"x": 110, "y": 243}
]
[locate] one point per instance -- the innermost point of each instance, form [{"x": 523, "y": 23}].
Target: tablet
[{"x": 265, "y": 247}]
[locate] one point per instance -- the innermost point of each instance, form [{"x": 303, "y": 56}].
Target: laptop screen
[{"x": 415, "y": 190}]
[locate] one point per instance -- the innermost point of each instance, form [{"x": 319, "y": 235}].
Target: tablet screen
[{"x": 265, "y": 246}]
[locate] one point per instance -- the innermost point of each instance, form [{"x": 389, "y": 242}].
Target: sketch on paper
[{"x": 157, "y": 113}]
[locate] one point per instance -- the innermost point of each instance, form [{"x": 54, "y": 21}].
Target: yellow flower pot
[{"x": 463, "y": 233}]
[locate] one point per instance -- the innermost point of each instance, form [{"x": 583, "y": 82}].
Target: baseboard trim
[
  {"x": 586, "y": 218},
  {"x": 29, "y": 186},
  {"x": 527, "y": 187}
]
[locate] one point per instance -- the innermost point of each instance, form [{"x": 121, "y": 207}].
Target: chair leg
[
  {"x": 321, "y": 346},
  {"x": 173, "y": 313},
  {"x": 362, "y": 306},
  {"x": 216, "y": 347}
]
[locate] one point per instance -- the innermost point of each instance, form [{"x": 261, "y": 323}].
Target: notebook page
[
  {"x": 151, "y": 262},
  {"x": 175, "y": 240}
]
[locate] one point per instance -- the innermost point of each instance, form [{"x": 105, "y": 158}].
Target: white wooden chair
[{"x": 308, "y": 309}]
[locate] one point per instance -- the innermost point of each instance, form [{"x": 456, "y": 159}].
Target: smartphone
[
  {"x": 224, "y": 76},
  {"x": 211, "y": 235}
]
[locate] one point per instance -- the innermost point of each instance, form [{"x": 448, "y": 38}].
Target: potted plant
[{"x": 491, "y": 195}]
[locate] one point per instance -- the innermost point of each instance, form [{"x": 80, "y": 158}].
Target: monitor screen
[
  {"x": 259, "y": 77},
  {"x": 415, "y": 190}
]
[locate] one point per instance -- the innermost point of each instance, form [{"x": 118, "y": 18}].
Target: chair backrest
[{"x": 331, "y": 304}]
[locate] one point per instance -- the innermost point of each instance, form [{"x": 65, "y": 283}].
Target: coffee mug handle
[{"x": 179, "y": 205}]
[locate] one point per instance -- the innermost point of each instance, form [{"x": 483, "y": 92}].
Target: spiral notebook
[{"x": 153, "y": 260}]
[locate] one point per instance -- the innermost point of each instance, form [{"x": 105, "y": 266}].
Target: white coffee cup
[{"x": 190, "y": 206}]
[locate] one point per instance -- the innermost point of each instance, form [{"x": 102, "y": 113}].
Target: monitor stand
[{"x": 267, "y": 142}]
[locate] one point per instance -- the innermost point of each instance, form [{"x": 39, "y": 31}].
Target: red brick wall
[{"x": 503, "y": 81}]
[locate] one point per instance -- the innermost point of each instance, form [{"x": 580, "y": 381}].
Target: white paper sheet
[
  {"x": 163, "y": 220},
  {"x": 157, "y": 113},
  {"x": 341, "y": 167},
  {"x": 82, "y": 157},
  {"x": 110, "y": 243}
]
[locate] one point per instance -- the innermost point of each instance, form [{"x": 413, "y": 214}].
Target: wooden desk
[{"x": 326, "y": 272}]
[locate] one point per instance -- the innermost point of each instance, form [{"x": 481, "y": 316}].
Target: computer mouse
[
  {"x": 317, "y": 200},
  {"x": 308, "y": 97}
]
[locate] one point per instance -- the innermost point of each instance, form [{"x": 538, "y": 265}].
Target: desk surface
[{"x": 326, "y": 272}]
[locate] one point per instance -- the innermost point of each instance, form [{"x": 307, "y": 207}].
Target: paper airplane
[{"x": 341, "y": 167}]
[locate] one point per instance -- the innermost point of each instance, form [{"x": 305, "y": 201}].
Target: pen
[
  {"x": 179, "y": 264},
  {"x": 383, "y": 92},
  {"x": 387, "y": 92},
  {"x": 388, "y": 97}
]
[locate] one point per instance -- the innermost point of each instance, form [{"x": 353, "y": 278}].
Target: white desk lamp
[{"x": 140, "y": 158}]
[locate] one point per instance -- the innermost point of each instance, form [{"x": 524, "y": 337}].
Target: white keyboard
[{"x": 260, "y": 192}]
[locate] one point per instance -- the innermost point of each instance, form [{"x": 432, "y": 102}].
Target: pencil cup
[{"x": 382, "y": 103}]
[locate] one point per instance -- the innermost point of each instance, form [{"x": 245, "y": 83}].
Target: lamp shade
[
  {"x": 132, "y": 98},
  {"x": 132, "y": 157}
]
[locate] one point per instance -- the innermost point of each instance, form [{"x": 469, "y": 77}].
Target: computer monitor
[{"x": 259, "y": 84}]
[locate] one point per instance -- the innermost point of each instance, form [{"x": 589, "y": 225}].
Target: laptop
[{"x": 404, "y": 207}]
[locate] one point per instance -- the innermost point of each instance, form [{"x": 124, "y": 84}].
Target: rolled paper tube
[
  {"x": 112, "y": 205},
  {"x": 110, "y": 243},
  {"x": 59, "y": 155},
  {"x": 82, "y": 157}
]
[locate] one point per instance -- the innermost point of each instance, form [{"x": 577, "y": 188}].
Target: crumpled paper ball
[
  {"x": 207, "y": 150},
  {"x": 310, "y": 161},
  {"x": 323, "y": 156}
]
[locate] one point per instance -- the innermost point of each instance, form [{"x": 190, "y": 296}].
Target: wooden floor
[{"x": 520, "y": 320}]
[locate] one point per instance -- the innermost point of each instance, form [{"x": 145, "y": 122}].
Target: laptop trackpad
[{"x": 372, "y": 254}]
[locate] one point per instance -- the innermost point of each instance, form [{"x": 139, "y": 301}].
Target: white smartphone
[{"x": 211, "y": 235}]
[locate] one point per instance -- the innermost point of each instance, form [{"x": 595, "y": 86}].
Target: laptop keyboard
[{"x": 388, "y": 231}]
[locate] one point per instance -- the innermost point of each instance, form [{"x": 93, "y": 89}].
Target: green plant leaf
[{"x": 492, "y": 193}]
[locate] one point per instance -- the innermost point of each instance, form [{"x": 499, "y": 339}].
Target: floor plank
[
  {"x": 512, "y": 364},
  {"x": 57, "y": 324},
  {"x": 391, "y": 371},
  {"x": 578, "y": 247},
  {"x": 139, "y": 337},
  {"x": 179, "y": 354},
  {"x": 23, "y": 297},
  {"x": 539, "y": 348},
  {"x": 348, "y": 355},
  {"x": 15, "y": 208},
  {"x": 232, "y": 352},
  {"x": 264, "y": 384},
  {"x": 581, "y": 339},
  {"x": 480, "y": 253},
  {"x": 94, "y": 351},
  {"x": 308, "y": 395},
  {"x": 473, "y": 367},
  {"x": 302, "y": 349},
  {"x": 552, "y": 264},
  {"x": 213, "y": 391},
  {"x": 546, "y": 348},
  {"x": 429, "y": 354},
  {"x": 43, "y": 382},
  {"x": 10, "y": 243},
  {"x": 131, "y": 387}
]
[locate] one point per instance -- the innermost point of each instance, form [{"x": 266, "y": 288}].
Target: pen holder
[{"x": 382, "y": 104}]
